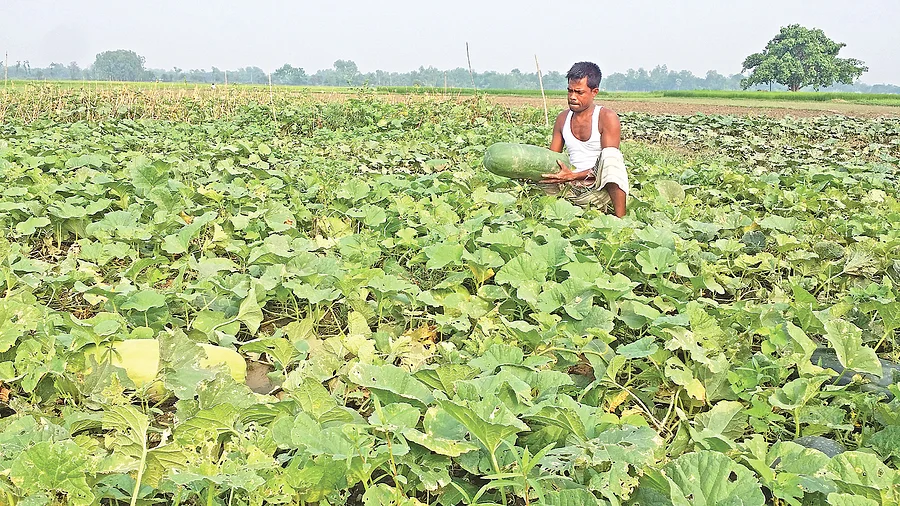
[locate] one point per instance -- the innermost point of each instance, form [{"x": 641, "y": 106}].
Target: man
[{"x": 591, "y": 134}]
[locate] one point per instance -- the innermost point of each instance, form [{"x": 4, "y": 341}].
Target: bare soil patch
[{"x": 734, "y": 107}]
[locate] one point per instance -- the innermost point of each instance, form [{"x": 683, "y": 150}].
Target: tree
[
  {"x": 74, "y": 71},
  {"x": 290, "y": 75},
  {"x": 799, "y": 57},
  {"x": 119, "y": 65},
  {"x": 714, "y": 81},
  {"x": 347, "y": 72},
  {"x": 56, "y": 71}
]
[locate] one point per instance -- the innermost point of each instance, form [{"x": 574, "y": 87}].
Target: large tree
[
  {"x": 799, "y": 57},
  {"x": 288, "y": 74},
  {"x": 119, "y": 65}
]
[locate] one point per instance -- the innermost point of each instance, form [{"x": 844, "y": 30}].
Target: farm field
[
  {"x": 419, "y": 331},
  {"x": 772, "y": 104}
]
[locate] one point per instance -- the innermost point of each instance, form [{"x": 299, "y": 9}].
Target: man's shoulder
[
  {"x": 606, "y": 111},
  {"x": 561, "y": 118},
  {"x": 608, "y": 116}
]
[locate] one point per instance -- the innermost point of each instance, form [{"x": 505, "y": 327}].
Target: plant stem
[{"x": 140, "y": 473}]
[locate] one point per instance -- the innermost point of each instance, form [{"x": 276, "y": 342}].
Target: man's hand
[{"x": 565, "y": 175}]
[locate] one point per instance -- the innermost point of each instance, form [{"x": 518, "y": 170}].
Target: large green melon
[{"x": 522, "y": 161}]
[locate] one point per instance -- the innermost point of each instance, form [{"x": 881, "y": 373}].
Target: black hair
[{"x": 586, "y": 69}]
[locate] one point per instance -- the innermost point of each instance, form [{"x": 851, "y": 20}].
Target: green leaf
[
  {"x": 130, "y": 431},
  {"x": 615, "y": 286},
  {"x": 657, "y": 261},
  {"x": 53, "y": 467},
  {"x": 443, "y": 254},
  {"x": 144, "y": 300},
  {"x": 209, "y": 267},
  {"x": 443, "y": 434},
  {"x": 130, "y": 427},
  {"x": 561, "y": 211},
  {"x": 835, "y": 499},
  {"x": 637, "y": 314},
  {"x": 564, "y": 418},
  {"x": 208, "y": 424},
  {"x": 670, "y": 190},
  {"x": 569, "y": 497},
  {"x": 488, "y": 422},
  {"x": 250, "y": 312},
  {"x": 522, "y": 269},
  {"x": 180, "y": 361},
  {"x": 626, "y": 444},
  {"x": 19, "y": 315},
  {"x": 396, "y": 416},
  {"x": 31, "y": 225},
  {"x": 85, "y": 160},
  {"x": 440, "y": 446},
  {"x": 641, "y": 348},
  {"x": 703, "y": 478},
  {"x": 445, "y": 376},
  {"x": 498, "y": 355},
  {"x": 146, "y": 175},
  {"x": 718, "y": 428},
  {"x": 796, "y": 393},
  {"x": 773, "y": 222},
  {"x": 887, "y": 441},
  {"x": 315, "y": 400},
  {"x": 390, "y": 382},
  {"x": 866, "y": 475},
  {"x": 846, "y": 339},
  {"x": 676, "y": 371}
]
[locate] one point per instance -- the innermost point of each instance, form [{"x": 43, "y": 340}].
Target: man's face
[{"x": 581, "y": 96}]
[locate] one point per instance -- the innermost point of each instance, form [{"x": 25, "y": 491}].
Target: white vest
[{"x": 583, "y": 154}]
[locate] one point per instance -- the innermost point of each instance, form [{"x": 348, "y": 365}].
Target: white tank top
[{"x": 583, "y": 154}]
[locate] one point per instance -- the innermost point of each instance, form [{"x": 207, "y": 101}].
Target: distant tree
[
  {"x": 119, "y": 65},
  {"x": 714, "y": 81},
  {"x": 799, "y": 57},
  {"x": 251, "y": 75},
  {"x": 216, "y": 75},
  {"x": 347, "y": 72},
  {"x": 290, "y": 75},
  {"x": 74, "y": 71},
  {"x": 198, "y": 76},
  {"x": 555, "y": 80},
  {"x": 56, "y": 71}
]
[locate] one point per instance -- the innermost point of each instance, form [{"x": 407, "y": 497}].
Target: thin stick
[
  {"x": 543, "y": 97},
  {"x": 272, "y": 99},
  {"x": 6, "y": 69},
  {"x": 472, "y": 75},
  {"x": 226, "y": 78}
]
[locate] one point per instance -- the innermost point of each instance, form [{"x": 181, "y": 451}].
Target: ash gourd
[
  {"x": 522, "y": 161},
  {"x": 140, "y": 359}
]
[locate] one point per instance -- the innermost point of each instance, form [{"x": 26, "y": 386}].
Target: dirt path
[{"x": 719, "y": 106}]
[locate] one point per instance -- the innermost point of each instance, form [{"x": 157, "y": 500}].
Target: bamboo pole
[
  {"x": 471, "y": 74},
  {"x": 543, "y": 96},
  {"x": 272, "y": 99}
]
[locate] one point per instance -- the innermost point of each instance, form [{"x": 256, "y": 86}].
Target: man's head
[
  {"x": 584, "y": 83},
  {"x": 586, "y": 70}
]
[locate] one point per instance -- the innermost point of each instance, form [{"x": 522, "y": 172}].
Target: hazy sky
[{"x": 696, "y": 35}]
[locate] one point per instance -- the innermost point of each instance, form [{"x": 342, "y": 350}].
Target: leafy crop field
[{"x": 420, "y": 331}]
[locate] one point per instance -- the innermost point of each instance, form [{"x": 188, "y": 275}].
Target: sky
[{"x": 399, "y": 36}]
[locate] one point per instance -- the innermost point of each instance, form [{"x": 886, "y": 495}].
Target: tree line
[{"x": 795, "y": 58}]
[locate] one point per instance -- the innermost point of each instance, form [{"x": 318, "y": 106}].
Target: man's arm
[
  {"x": 611, "y": 137},
  {"x": 565, "y": 174},
  {"x": 557, "y": 142}
]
